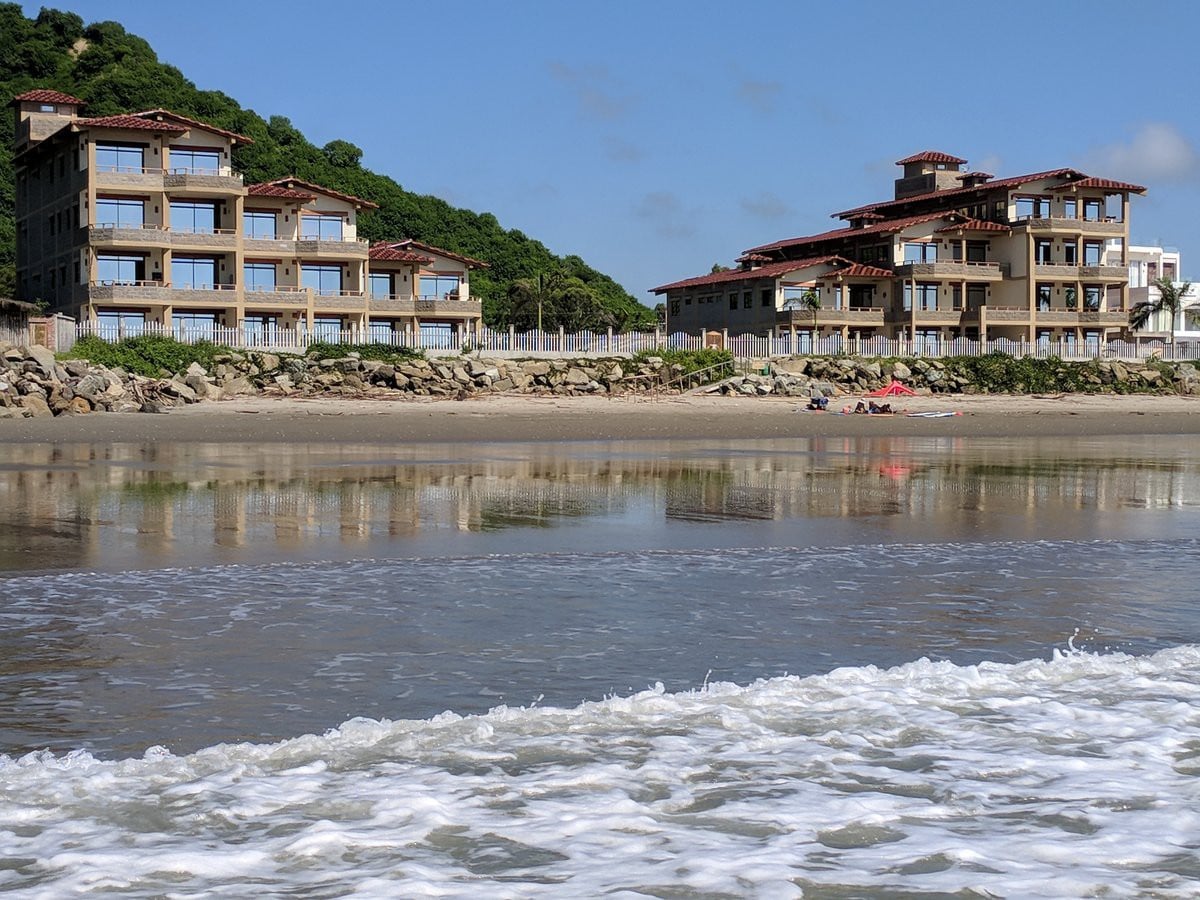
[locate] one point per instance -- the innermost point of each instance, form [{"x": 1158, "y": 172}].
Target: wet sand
[{"x": 524, "y": 418}]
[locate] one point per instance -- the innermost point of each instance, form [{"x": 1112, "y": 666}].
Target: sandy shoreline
[{"x": 527, "y": 418}]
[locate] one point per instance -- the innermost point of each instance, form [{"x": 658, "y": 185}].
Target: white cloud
[{"x": 1156, "y": 152}]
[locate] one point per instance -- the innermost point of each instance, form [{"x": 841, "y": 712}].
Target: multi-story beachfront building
[
  {"x": 1146, "y": 266},
  {"x": 954, "y": 254},
  {"x": 140, "y": 219}
]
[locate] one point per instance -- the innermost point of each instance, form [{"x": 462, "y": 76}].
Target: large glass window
[
  {"x": 260, "y": 330},
  {"x": 195, "y": 162},
  {"x": 440, "y": 285},
  {"x": 194, "y": 322},
  {"x": 381, "y": 285},
  {"x": 1070, "y": 208},
  {"x": 920, "y": 252},
  {"x": 1093, "y": 210},
  {"x": 1091, "y": 297},
  {"x": 327, "y": 328},
  {"x": 925, "y": 296},
  {"x": 1071, "y": 253},
  {"x": 112, "y": 269},
  {"x": 115, "y": 323},
  {"x": 196, "y": 272},
  {"x": 324, "y": 280},
  {"x": 321, "y": 228},
  {"x": 1033, "y": 207},
  {"x": 258, "y": 225},
  {"x": 1043, "y": 296},
  {"x": 119, "y": 158},
  {"x": 1091, "y": 252},
  {"x": 382, "y": 332},
  {"x": 194, "y": 217},
  {"x": 259, "y": 276},
  {"x": 1041, "y": 250},
  {"x": 114, "y": 213}
]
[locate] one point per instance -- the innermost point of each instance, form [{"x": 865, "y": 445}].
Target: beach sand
[{"x": 532, "y": 418}]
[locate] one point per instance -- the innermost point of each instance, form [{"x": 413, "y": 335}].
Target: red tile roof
[
  {"x": 973, "y": 225},
  {"x": 133, "y": 123},
  {"x": 1015, "y": 181},
  {"x": 429, "y": 248},
  {"x": 384, "y": 253},
  {"x": 44, "y": 95},
  {"x": 768, "y": 271},
  {"x": 965, "y": 175},
  {"x": 271, "y": 190},
  {"x": 293, "y": 182},
  {"x": 839, "y": 233},
  {"x": 1105, "y": 184},
  {"x": 195, "y": 123},
  {"x": 930, "y": 156}
]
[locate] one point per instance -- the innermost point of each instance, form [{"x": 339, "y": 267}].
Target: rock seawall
[{"x": 34, "y": 383}]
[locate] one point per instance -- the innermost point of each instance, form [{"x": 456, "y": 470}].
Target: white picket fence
[{"x": 586, "y": 343}]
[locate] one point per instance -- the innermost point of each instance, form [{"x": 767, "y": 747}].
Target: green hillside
[{"x": 115, "y": 72}]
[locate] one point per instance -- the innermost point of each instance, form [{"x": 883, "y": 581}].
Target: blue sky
[{"x": 656, "y": 138}]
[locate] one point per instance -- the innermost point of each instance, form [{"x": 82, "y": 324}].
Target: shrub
[
  {"x": 149, "y": 355},
  {"x": 691, "y": 361},
  {"x": 381, "y": 352}
]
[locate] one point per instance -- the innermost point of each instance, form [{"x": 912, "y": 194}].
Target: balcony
[
  {"x": 1063, "y": 316},
  {"x": 863, "y": 316},
  {"x": 323, "y": 248},
  {"x": 1006, "y": 313},
  {"x": 216, "y": 239},
  {"x": 290, "y": 297},
  {"x": 129, "y": 178},
  {"x": 427, "y": 306},
  {"x": 128, "y": 236},
  {"x": 143, "y": 292},
  {"x": 1073, "y": 226},
  {"x": 189, "y": 181},
  {"x": 273, "y": 246},
  {"x": 937, "y": 316},
  {"x": 957, "y": 269},
  {"x": 1067, "y": 272},
  {"x": 355, "y": 300}
]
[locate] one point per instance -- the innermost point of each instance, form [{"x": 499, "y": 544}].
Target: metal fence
[{"x": 585, "y": 343}]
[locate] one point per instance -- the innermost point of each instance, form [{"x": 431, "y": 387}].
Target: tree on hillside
[
  {"x": 1170, "y": 299},
  {"x": 117, "y": 72},
  {"x": 555, "y": 300}
]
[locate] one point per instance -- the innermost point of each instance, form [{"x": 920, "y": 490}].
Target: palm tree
[
  {"x": 1170, "y": 298},
  {"x": 812, "y": 303},
  {"x": 560, "y": 301}
]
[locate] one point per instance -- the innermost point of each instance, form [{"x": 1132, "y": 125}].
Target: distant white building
[{"x": 1146, "y": 266}]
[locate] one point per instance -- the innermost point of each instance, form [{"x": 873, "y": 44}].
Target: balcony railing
[
  {"x": 1084, "y": 272},
  {"x": 1108, "y": 225},
  {"x": 953, "y": 268}
]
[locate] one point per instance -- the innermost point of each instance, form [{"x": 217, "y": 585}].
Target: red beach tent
[{"x": 895, "y": 389}]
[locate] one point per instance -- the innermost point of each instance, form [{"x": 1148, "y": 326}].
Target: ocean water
[{"x": 873, "y": 668}]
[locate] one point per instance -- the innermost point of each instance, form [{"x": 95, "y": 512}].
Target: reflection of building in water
[{"x": 76, "y": 505}]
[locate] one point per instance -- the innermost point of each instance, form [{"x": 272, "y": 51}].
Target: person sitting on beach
[
  {"x": 819, "y": 403},
  {"x": 861, "y": 408}
]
